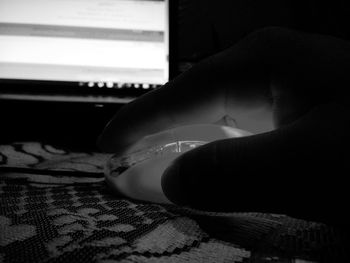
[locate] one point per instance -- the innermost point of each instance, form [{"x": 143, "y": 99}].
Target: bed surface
[{"x": 55, "y": 207}]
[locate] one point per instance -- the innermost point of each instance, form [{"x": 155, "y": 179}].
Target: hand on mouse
[{"x": 287, "y": 87}]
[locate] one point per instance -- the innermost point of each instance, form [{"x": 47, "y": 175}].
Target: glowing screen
[{"x": 84, "y": 40}]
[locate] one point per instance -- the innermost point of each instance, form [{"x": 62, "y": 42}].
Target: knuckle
[
  {"x": 275, "y": 36},
  {"x": 276, "y": 44},
  {"x": 275, "y": 33}
]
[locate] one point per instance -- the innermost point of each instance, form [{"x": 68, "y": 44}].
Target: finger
[
  {"x": 159, "y": 110},
  {"x": 197, "y": 96},
  {"x": 289, "y": 170},
  {"x": 236, "y": 82}
]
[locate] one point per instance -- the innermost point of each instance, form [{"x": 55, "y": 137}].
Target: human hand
[{"x": 287, "y": 87}]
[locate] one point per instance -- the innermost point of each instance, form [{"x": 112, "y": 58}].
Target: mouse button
[
  {"x": 152, "y": 140},
  {"x": 235, "y": 132},
  {"x": 184, "y": 146},
  {"x": 202, "y": 132},
  {"x": 143, "y": 180},
  {"x": 117, "y": 165}
]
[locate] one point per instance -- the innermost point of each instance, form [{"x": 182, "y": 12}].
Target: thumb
[{"x": 289, "y": 170}]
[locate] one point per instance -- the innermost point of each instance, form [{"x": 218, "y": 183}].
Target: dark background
[{"x": 200, "y": 28}]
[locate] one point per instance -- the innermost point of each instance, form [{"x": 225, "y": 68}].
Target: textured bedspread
[{"x": 55, "y": 207}]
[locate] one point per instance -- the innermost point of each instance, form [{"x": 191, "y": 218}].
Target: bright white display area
[
  {"x": 131, "y": 14},
  {"x": 84, "y": 40}
]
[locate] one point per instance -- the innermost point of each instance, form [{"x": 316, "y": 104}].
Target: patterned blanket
[{"x": 55, "y": 207}]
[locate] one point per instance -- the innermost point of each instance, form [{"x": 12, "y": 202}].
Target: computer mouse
[{"x": 137, "y": 173}]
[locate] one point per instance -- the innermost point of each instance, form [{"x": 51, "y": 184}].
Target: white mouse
[{"x": 137, "y": 174}]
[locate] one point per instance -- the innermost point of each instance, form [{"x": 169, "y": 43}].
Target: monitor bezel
[{"x": 71, "y": 88}]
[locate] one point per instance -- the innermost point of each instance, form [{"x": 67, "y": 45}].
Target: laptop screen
[{"x": 92, "y": 42}]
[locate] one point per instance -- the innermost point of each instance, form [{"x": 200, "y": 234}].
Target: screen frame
[{"x": 70, "y": 88}]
